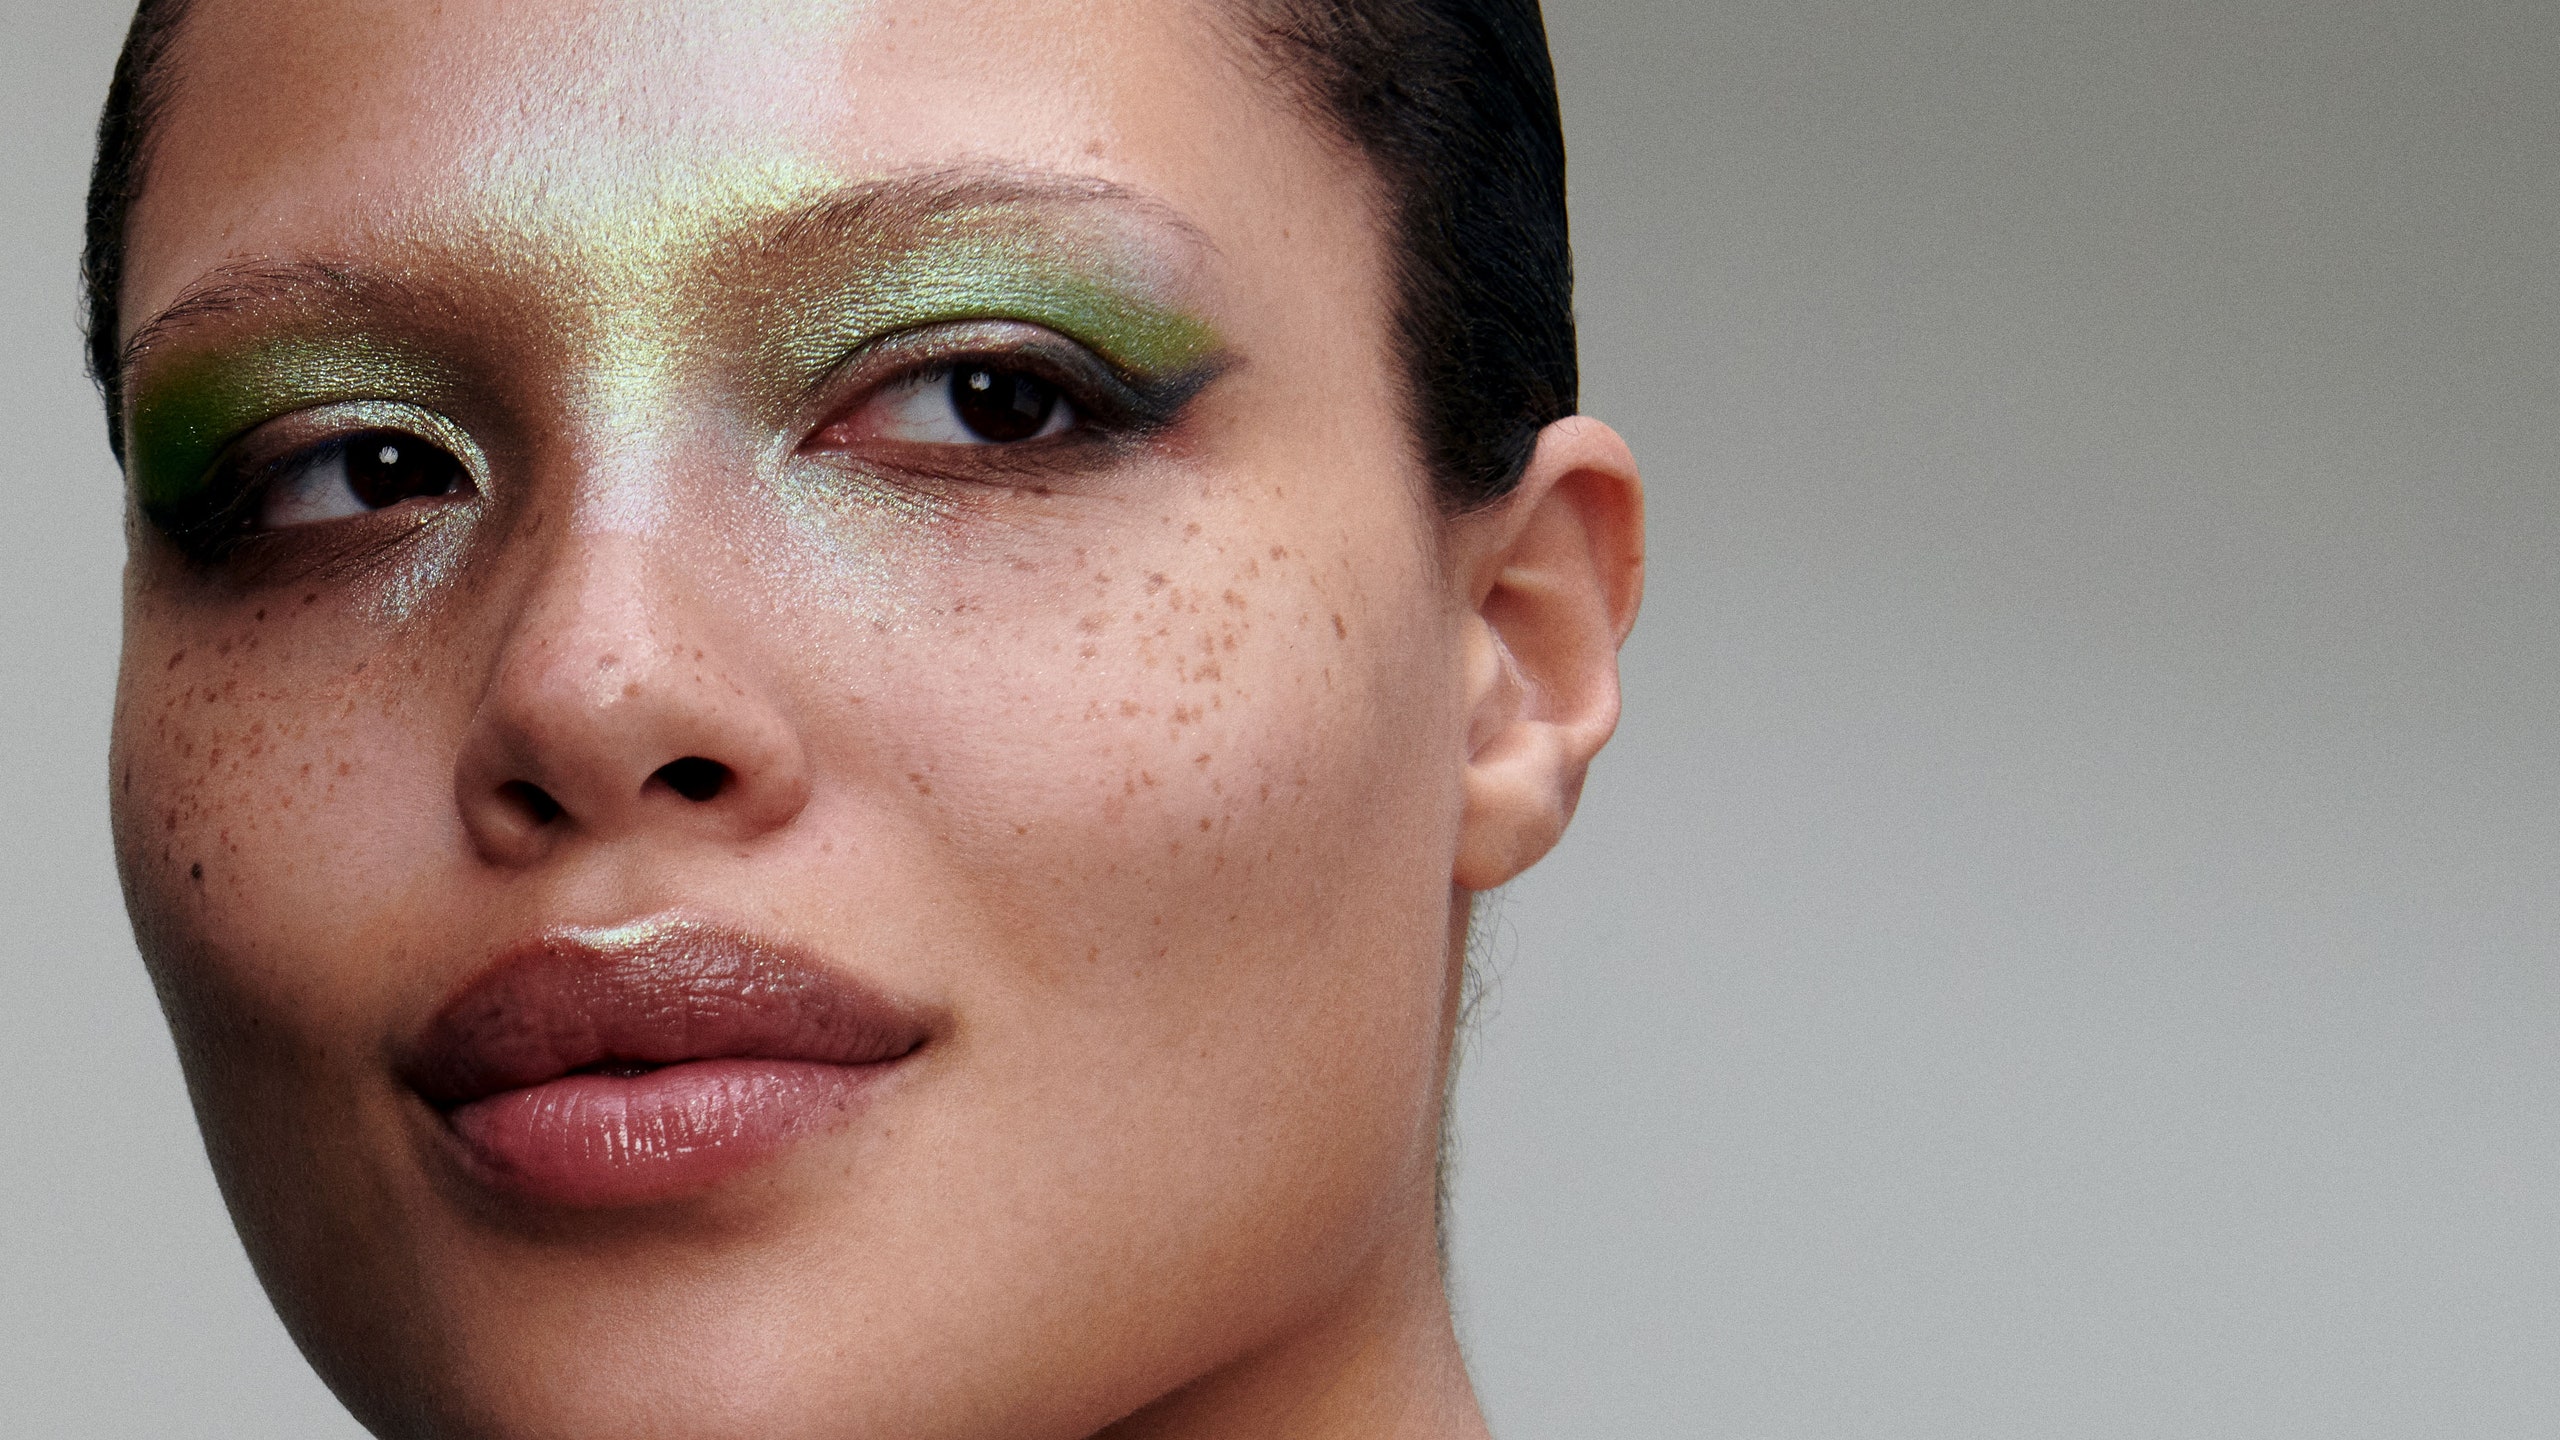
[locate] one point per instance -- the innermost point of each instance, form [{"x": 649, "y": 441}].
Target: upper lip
[{"x": 660, "y": 993}]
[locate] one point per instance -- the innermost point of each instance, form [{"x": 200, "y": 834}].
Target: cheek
[
  {"x": 1196, "y": 787},
  {"x": 1222, "y": 707},
  {"x": 269, "y": 785}
]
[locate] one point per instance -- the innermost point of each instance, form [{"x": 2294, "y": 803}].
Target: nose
[{"x": 623, "y": 706}]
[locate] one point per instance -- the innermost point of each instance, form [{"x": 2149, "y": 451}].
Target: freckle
[
  {"x": 1204, "y": 824},
  {"x": 1191, "y": 529},
  {"x": 1279, "y": 552},
  {"x": 631, "y": 691},
  {"x": 311, "y": 599},
  {"x": 345, "y": 768},
  {"x": 1156, "y": 582},
  {"x": 1088, "y": 652},
  {"x": 1021, "y": 829},
  {"x": 1146, "y": 779},
  {"x": 1092, "y": 954},
  {"x": 1340, "y": 630},
  {"x": 1129, "y": 709},
  {"x": 1266, "y": 790}
]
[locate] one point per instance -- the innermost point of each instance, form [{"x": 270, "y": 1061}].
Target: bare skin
[{"x": 1160, "y": 771}]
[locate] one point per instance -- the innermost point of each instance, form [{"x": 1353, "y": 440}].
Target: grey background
[{"x": 2061, "y": 944}]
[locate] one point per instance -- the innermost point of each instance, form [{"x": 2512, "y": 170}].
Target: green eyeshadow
[
  {"x": 995, "y": 276},
  {"x": 183, "y": 419}
]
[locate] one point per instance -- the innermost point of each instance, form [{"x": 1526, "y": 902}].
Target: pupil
[
  {"x": 1002, "y": 405},
  {"x": 384, "y": 470}
]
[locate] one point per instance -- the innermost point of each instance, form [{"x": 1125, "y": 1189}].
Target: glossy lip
[{"x": 650, "y": 1062}]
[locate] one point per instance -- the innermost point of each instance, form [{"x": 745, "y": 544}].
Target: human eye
[
  {"x": 1000, "y": 396},
  {"x": 982, "y": 402},
  {"x": 313, "y": 472},
  {"x": 355, "y": 475}
]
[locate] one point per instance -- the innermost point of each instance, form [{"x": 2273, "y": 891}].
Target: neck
[{"x": 1383, "y": 1364}]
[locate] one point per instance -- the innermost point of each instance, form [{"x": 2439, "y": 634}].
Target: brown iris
[
  {"x": 385, "y": 468},
  {"x": 1002, "y": 405}
]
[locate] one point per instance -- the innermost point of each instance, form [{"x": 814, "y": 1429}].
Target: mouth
[{"x": 650, "y": 1062}]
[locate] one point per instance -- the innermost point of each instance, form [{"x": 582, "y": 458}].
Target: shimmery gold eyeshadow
[
  {"x": 182, "y": 420},
  {"x": 639, "y": 295},
  {"x": 1004, "y": 277}
]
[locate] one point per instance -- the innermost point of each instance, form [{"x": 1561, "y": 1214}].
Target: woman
[{"x": 813, "y": 692}]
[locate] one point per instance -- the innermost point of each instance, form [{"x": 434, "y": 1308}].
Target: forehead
[{"x": 323, "y": 126}]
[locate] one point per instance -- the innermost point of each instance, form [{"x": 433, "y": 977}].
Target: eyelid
[
  {"x": 218, "y": 512},
  {"x": 190, "y": 410},
  {"x": 1107, "y": 396}
]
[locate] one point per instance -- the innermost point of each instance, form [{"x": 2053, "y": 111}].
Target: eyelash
[
  {"x": 1109, "y": 409},
  {"x": 220, "y": 519},
  {"x": 1111, "y": 406}
]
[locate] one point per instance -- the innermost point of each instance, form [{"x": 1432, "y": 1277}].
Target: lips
[{"x": 648, "y": 1063}]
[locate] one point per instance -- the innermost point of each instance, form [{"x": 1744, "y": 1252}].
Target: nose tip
[
  {"x": 612, "y": 716},
  {"x": 547, "y": 797}
]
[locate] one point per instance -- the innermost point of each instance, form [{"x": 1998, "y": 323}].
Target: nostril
[
  {"x": 533, "y": 800},
  {"x": 693, "y": 777}
]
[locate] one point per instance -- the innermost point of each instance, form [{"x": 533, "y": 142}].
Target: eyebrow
[
  {"x": 878, "y": 208},
  {"x": 872, "y": 210},
  {"x": 251, "y": 285}
]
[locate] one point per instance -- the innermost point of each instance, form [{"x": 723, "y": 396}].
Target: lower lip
[{"x": 599, "y": 1140}]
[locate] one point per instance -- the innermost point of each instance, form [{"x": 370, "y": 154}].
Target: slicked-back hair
[
  {"x": 1451, "y": 104},
  {"x": 135, "y": 97}
]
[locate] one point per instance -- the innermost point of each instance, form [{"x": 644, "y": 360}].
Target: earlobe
[{"x": 1555, "y": 574}]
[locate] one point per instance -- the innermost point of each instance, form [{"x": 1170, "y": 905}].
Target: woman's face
[{"x": 792, "y": 719}]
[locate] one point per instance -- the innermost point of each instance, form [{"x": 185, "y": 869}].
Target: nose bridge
[
  {"x": 594, "y": 629},
  {"x": 622, "y": 702}
]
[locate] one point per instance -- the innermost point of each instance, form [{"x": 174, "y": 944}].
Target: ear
[{"x": 1554, "y": 573}]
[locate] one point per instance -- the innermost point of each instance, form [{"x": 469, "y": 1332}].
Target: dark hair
[
  {"x": 1452, "y": 104},
  {"x": 135, "y": 98}
]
